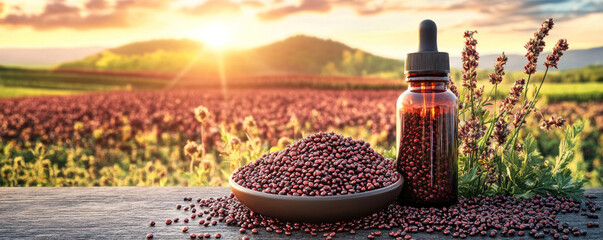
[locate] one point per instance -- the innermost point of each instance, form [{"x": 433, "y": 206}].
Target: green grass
[
  {"x": 557, "y": 92},
  {"x": 10, "y": 92},
  {"x": 15, "y": 82}
]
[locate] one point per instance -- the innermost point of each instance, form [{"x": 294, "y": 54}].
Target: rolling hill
[
  {"x": 295, "y": 55},
  {"x": 150, "y": 46}
]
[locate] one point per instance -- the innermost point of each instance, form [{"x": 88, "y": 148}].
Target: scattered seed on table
[
  {"x": 242, "y": 230},
  {"x": 168, "y": 222},
  {"x": 218, "y": 235},
  {"x": 149, "y": 236},
  {"x": 193, "y": 236},
  {"x": 176, "y": 220},
  {"x": 152, "y": 223},
  {"x": 184, "y": 229},
  {"x": 254, "y": 231},
  {"x": 484, "y": 215},
  {"x": 245, "y": 238},
  {"x": 178, "y": 206},
  {"x": 185, "y": 220},
  {"x": 207, "y": 235}
]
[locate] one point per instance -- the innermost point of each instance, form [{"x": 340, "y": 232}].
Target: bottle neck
[{"x": 427, "y": 82}]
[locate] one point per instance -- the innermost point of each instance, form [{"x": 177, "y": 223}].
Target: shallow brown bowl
[{"x": 317, "y": 208}]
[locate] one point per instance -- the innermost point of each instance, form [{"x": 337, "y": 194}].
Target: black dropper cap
[{"x": 427, "y": 59}]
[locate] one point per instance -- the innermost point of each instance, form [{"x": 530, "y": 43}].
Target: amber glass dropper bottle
[{"x": 426, "y": 125}]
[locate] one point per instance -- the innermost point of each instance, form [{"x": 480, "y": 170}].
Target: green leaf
[{"x": 391, "y": 153}]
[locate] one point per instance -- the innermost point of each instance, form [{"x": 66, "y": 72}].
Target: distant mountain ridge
[
  {"x": 570, "y": 60},
  {"x": 299, "y": 54},
  {"x": 44, "y": 56}
]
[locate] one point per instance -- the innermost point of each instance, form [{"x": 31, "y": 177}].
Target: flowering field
[{"x": 136, "y": 138}]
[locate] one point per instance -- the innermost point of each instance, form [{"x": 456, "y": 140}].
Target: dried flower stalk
[{"x": 536, "y": 45}]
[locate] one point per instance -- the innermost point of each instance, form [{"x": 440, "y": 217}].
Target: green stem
[
  {"x": 472, "y": 103},
  {"x": 513, "y": 139},
  {"x": 193, "y": 158},
  {"x": 482, "y": 146},
  {"x": 495, "y": 91},
  {"x": 525, "y": 90},
  {"x": 540, "y": 86}
]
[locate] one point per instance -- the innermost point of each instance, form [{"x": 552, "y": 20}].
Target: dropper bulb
[{"x": 428, "y": 36}]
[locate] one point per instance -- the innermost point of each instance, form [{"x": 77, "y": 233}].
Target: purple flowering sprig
[
  {"x": 529, "y": 106},
  {"x": 488, "y": 139},
  {"x": 470, "y": 58},
  {"x": 535, "y": 46}
]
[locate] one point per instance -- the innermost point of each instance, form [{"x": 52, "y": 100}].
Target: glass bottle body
[{"x": 426, "y": 141}]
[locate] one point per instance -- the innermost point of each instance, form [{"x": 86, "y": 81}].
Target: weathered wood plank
[{"x": 124, "y": 213}]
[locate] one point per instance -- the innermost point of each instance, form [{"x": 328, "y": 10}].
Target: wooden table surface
[{"x": 124, "y": 213}]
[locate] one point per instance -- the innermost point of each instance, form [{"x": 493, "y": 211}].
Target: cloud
[
  {"x": 148, "y": 4},
  {"x": 503, "y": 12},
  {"x": 97, "y": 4},
  {"x": 253, "y": 3},
  {"x": 304, "y": 6},
  {"x": 98, "y": 14},
  {"x": 214, "y": 7},
  {"x": 370, "y": 7},
  {"x": 499, "y": 12},
  {"x": 125, "y": 13}
]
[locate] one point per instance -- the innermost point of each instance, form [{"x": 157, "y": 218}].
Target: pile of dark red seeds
[
  {"x": 322, "y": 164},
  {"x": 481, "y": 216}
]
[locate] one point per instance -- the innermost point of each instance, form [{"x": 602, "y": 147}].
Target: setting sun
[{"x": 215, "y": 35}]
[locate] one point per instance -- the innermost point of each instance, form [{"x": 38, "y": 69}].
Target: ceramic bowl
[{"x": 317, "y": 208}]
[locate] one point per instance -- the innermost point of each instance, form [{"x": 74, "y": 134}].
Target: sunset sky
[{"x": 388, "y": 28}]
